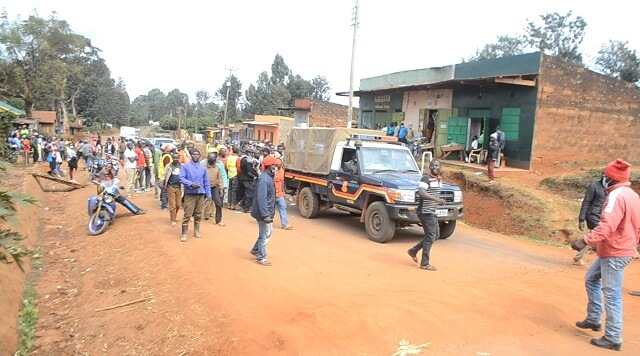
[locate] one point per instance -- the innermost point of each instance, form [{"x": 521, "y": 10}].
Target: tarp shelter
[{"x": 310, "y": 150}]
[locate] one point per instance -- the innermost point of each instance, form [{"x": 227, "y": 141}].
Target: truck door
[{"x": 344, "y": 181}]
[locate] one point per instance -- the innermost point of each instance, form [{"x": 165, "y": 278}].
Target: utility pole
[
  {"x": 226, "y": 106},
  {"x": 353, "y": 57}
]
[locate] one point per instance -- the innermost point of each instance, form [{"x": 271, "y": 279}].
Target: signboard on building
[{"x": 382, "y": 102}]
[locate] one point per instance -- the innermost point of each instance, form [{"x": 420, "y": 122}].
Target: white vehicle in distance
[{"x": 159, "y": 141}]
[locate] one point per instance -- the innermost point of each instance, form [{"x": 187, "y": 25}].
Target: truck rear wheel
[
  {"x": 377, "y": 223},
  {"x": 447, "y": 228},
  {"x": 308, "y": 203}
]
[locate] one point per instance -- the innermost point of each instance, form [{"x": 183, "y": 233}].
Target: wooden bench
[{"x": 447, "y": 150}]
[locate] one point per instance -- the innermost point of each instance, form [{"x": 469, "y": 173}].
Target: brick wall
[
  {"x": 326, "y": 114},
  {"x": 583, "y": 117},
  {"x": 283, "y": 130}
]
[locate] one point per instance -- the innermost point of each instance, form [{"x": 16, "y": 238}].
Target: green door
[
  {"x": 442, "y": 130},
  {"x": 458, "y": 127}
]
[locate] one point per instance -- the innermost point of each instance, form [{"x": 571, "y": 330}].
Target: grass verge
[{"x": 29, "y": 314}]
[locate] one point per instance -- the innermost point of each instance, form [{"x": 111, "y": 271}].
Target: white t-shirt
[
  {"x": 128, "y": 164},
  {"x": 474, "y": 144}
]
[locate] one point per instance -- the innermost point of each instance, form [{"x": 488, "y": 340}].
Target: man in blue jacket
[
  {"x": 195, "y": 179},
  {"x": 264, "y": 209}
]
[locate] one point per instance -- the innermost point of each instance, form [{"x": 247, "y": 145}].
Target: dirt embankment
[
  {"x": 517, "y": 205},
  {"x": 12, "y": 279}
]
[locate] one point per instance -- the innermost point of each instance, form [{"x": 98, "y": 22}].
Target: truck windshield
[{"x": 387, "y": 160}]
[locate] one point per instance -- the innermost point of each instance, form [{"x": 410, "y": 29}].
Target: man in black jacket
[
  {"x": 248, "y": 177},
  {"x": 590, "y": 212}
]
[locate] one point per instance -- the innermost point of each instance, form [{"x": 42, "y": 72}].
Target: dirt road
[{"x": 330, "y": 290}]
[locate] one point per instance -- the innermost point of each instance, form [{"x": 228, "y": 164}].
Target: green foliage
[
  {"x": 615, "y": 59},
  {"x": 9, "y": 240},
  {"x": 577, "y": 184},
  {"x": 27, "y": 320},
  {"x": 169, "y": 123},
  {"x": 6, "y": 125},
  {"x": 559, "y": 35},
  {"x": 269, "y": 94},
  {"x": 235, "y": 93},
  {"x": 46, "y": 63},
  {"x": 505, "y": 46}
]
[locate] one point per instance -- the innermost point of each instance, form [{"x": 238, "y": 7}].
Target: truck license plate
[{"x": 442, "y": 212}]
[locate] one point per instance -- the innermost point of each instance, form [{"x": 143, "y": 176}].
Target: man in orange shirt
[
  {"x": 26, "y": 148},
  {"x": 281, "y": 202},
  {"x": 141, "y": 163}
]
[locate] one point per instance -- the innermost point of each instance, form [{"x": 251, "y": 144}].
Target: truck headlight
[
  {"x": 406, "y": 195},
  {"x": 457, "y": 196}
]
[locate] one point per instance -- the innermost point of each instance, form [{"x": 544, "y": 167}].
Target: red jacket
[
  {"x": 141, "y": 159},
  {"x": 618, "y": 232}
]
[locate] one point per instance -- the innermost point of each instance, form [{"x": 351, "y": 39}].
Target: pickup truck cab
[{"x": 376, "y": 180}]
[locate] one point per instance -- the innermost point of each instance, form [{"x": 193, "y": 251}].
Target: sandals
[
  {"x": 429, "y": 267},
  {"x": 413, "y": 257},
  {"x": 635, "y": 293}
]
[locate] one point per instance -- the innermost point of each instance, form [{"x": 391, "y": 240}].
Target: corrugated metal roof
[
  {"x": 263, "y": 123},
  {"x": 6, "y": 107}
]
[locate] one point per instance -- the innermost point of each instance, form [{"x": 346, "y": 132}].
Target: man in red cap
[
  {"x": 615, "y": 238},
  {"x": 264, "y": 209}
]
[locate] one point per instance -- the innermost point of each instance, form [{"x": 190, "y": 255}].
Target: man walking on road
[
  {"x": 195, "y": 180},
  {"x": 429, "y": 198},
  {"x": 217, "y": 188},
  {"x": 130, "y": 164},
  {"x": 264, "y": 209},
  {"x": 590, "y": 211},
  {"x": 615, "y": 238}
]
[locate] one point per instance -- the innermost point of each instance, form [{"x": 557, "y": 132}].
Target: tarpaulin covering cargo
[{"x": 310, "y": 150}]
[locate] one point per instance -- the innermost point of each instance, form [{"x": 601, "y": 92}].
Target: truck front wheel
[
  {"x": 377, "y": 223},
  {"x": 308, "y": 203},
  {"x": 446, "y": 228}
]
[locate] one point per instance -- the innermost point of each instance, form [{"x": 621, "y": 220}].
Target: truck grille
[{"x": 447, "y": 195}]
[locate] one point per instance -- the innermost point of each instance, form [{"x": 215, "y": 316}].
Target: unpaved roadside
[{"x": 330, "y": 290}]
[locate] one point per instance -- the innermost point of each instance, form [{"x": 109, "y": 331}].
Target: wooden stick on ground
[{"x": 123, "y": 304}]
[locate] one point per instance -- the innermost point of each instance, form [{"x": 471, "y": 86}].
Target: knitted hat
[{"x": 618, "y": 170}]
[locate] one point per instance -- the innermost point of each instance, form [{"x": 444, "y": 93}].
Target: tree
[
  {"x": 559, "y": 36},
  {"x": 320, "y": 88},
  {"x": 177, "y": 103},
  {"x": 279, "y": 71},
  {"x": 298, "y": 88},
  {"x": 615, "y": 59},
  {"x": 40, "y": 57},
  {"x": 505, "y": 46},
  {"x": 235, "y": 94}
]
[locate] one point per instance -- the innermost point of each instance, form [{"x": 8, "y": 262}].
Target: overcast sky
[{"x": 188, "y": 45}]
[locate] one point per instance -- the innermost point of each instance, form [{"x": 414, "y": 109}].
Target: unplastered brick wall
[
  {"x": 583, "y": 117},
  {"x": 326, "y": 114},
  {"x": 284, "y": 126}
]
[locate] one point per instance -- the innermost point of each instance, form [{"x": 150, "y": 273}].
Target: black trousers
[
  {"x": 233, "y": 191},
  {"x": 249, "y": 193},
  {"x": 431, "y": 234}
]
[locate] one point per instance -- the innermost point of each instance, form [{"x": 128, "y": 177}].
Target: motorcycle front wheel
[{"x": 97, "y": 223}]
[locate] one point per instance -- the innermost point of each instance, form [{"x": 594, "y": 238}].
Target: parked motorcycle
[
  {"x": 102, "y": 207},
  {"x": 416, "y": 148}
]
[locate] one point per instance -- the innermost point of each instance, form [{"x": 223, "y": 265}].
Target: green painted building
[{"x": 532, "y": 96}]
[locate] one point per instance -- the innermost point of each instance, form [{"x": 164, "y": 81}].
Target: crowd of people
[{"x": 249, "y": 178}]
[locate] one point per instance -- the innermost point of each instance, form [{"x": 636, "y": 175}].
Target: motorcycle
[
  {"x": 416, "y": 148},
  {"x": 102, "y": 207}
]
